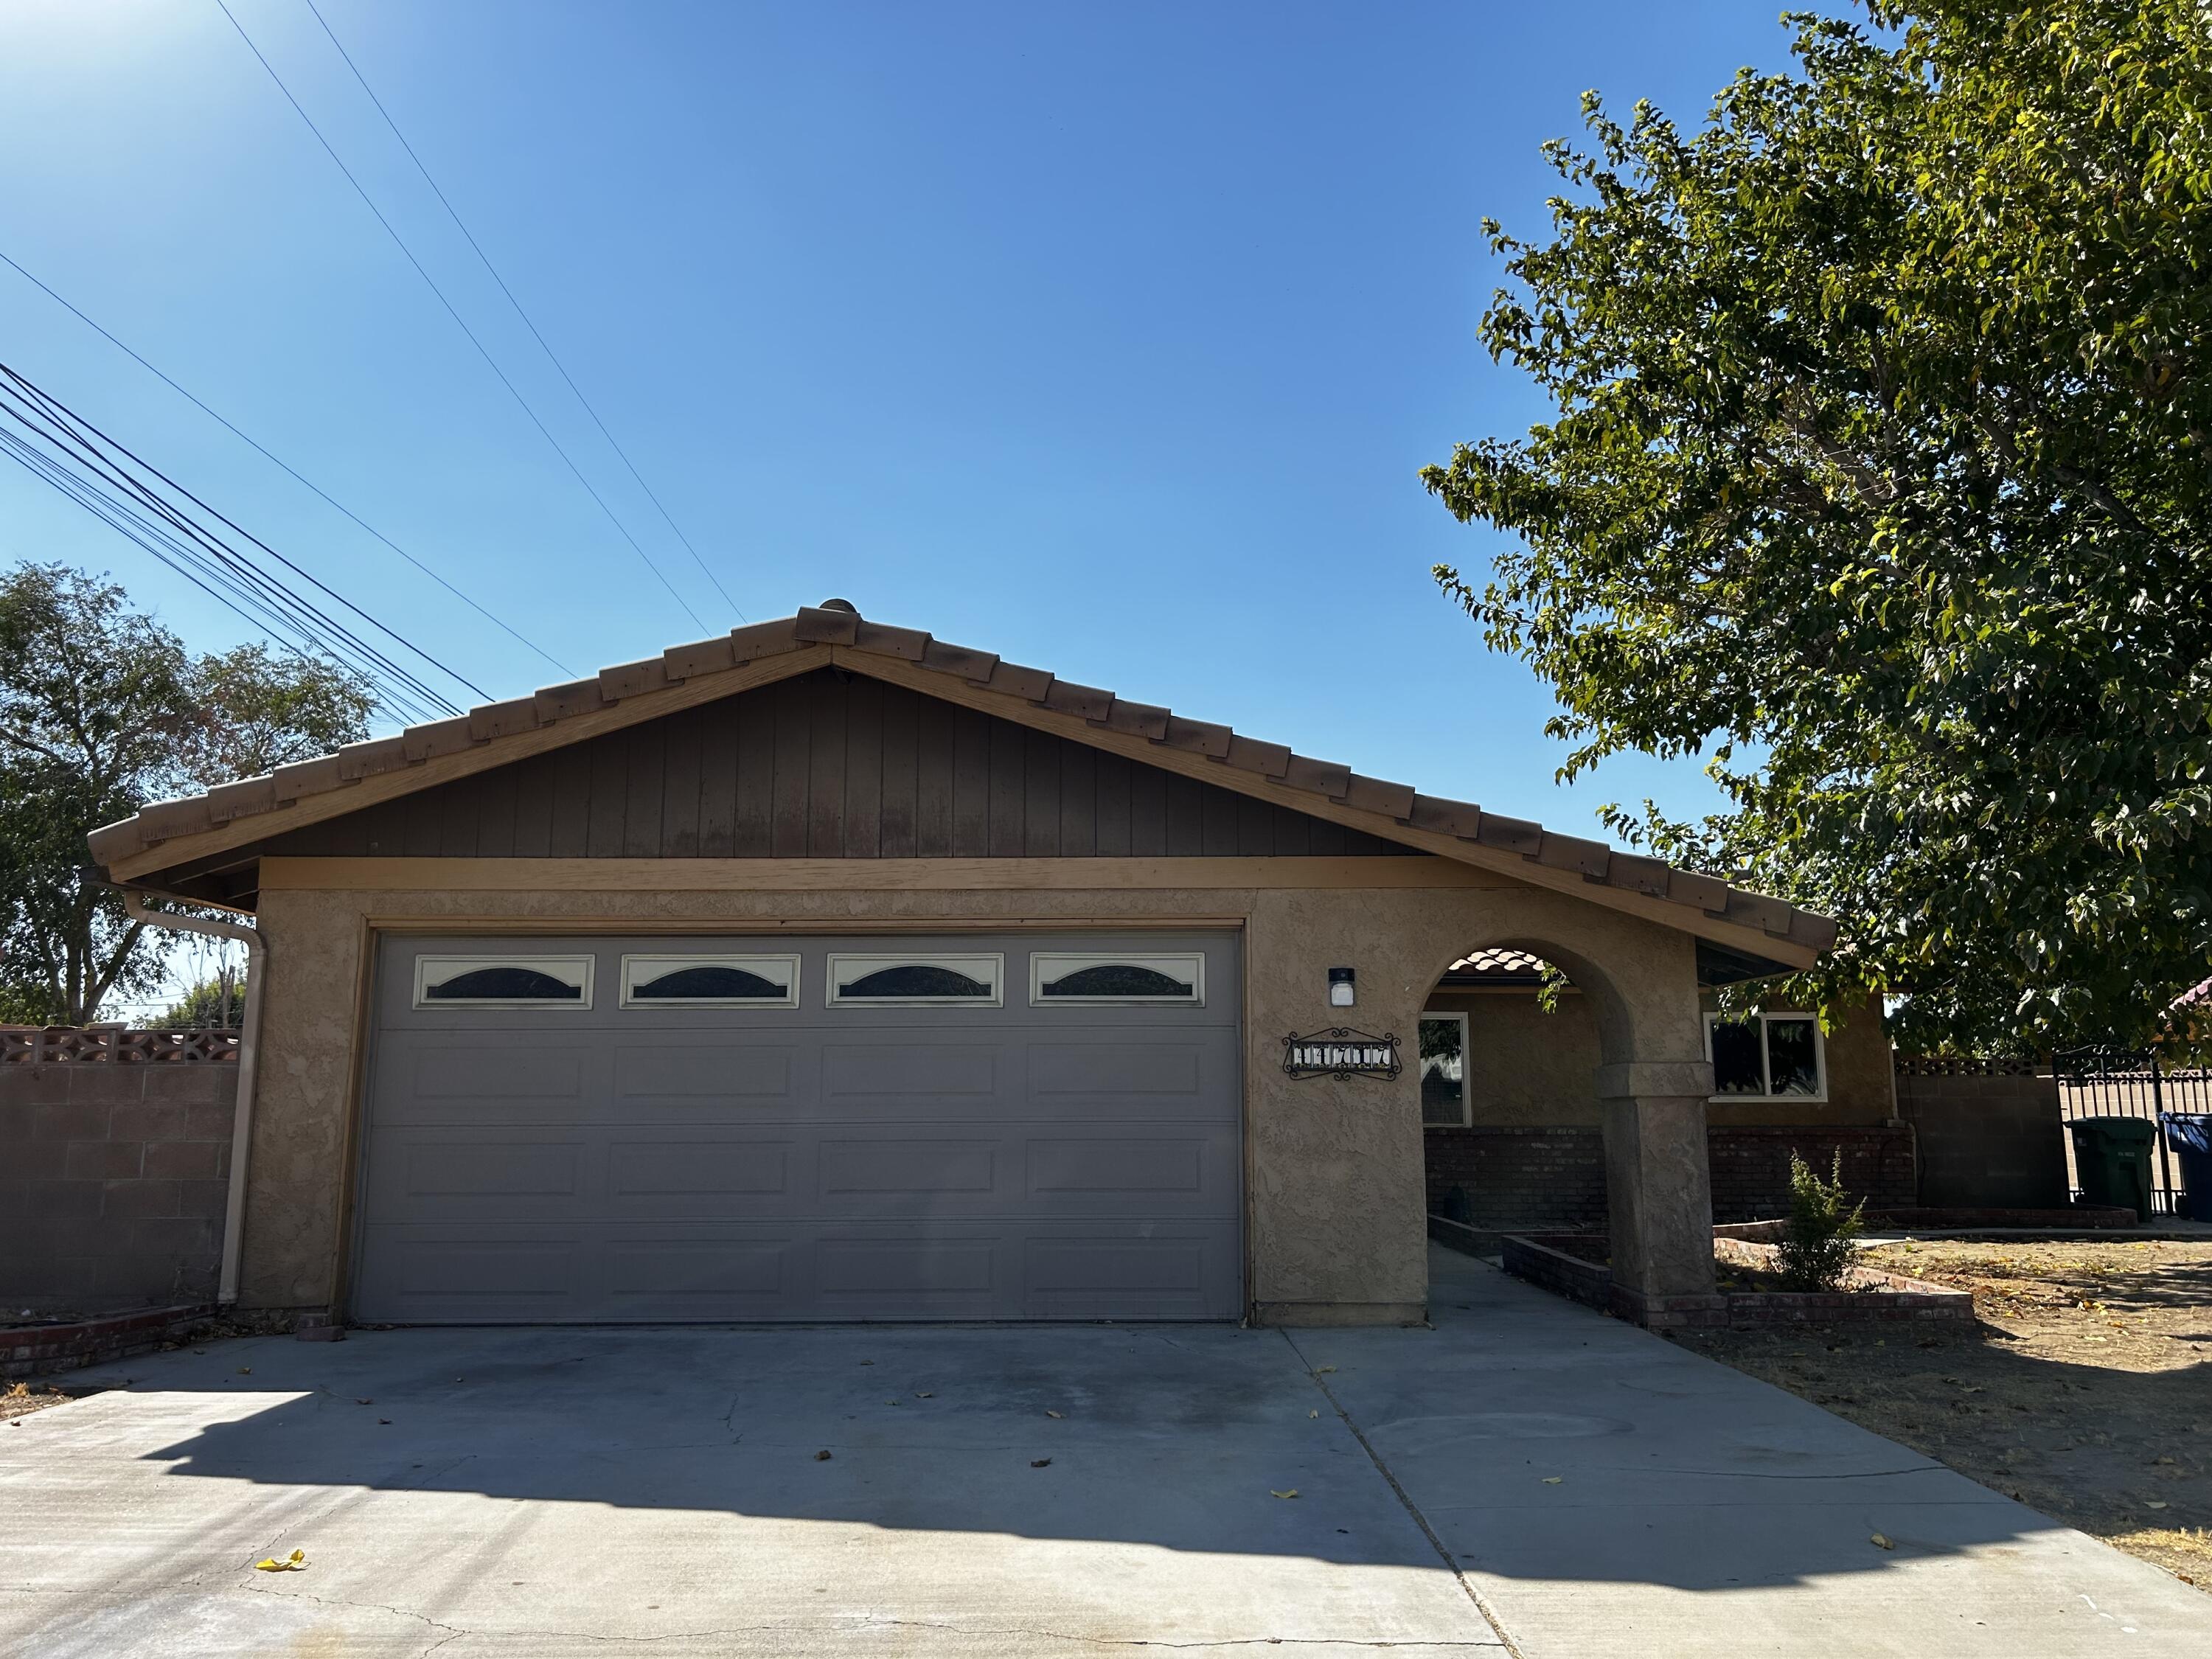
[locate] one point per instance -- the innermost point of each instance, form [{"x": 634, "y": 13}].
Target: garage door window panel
[
  {"x": 1064, "y": 980},
  {"x": 710, "y": 981},
  {"x": 514, "y": 981},
  {"x": 971, "y": 981}
]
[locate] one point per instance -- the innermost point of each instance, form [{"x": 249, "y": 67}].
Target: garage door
[{"x": 964, "y": 1126}]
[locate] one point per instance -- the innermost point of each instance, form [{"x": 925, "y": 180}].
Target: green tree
[
  {"x": 101, "y": 710},
  {"x": 1877, "y": 470},
  {"x": 211, "y": 1004}
]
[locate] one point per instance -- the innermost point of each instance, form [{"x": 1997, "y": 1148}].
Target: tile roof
[
  {"x": 1500, "y": 963},
  {"x": 834, "y": 633}
]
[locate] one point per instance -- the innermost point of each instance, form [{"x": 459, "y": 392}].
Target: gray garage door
[{"x": 959, "y": 1127}]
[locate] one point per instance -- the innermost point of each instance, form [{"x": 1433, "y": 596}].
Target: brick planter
[
  {"x": 1552, "y": 1261},
  {"x": 42, "y": 1350}
]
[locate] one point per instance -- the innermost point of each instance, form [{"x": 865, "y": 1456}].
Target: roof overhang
[{"x": 201, "y": 835}]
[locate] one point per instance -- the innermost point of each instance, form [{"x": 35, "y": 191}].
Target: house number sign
[{"x": 1341, "y": 1052}]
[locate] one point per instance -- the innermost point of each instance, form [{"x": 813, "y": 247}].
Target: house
[
  {"x": 1513, "y": 1130},
  {"x": 825, "y": 970}
]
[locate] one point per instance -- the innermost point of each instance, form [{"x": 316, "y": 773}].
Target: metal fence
[{"x": 2131, "y": 1083}]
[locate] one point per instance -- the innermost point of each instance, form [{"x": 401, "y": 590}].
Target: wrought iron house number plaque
[{"x": 1341, "y": 1052}]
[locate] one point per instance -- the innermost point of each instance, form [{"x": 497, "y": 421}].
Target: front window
[
  {"x": 1767, "y": 1057},
  {"x": 1444, "y": 1104}
]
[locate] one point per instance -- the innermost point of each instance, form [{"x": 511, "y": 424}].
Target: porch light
[{"x": 1339, "y": 987}]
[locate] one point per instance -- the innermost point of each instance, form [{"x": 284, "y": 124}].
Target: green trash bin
[{"x": 2113, "y": 1156}]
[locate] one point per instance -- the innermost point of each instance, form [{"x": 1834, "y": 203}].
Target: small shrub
[{"x": 1816, "y": 1252}]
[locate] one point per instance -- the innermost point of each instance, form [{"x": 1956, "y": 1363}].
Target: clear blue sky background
[{"x": 1107, "y": 338}]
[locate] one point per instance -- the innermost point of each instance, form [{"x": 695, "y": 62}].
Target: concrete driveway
[{"x": 1527, "y": 1477}]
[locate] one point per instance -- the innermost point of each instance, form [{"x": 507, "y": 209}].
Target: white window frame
[
  {"x": 988, "y": 966},
  {"x": 1465, "y": 1089},
  {"x": 647, "y": 966},
  {"x": 560, "y": 967},
  {"x": 1187, "y": 965},
  {"x": 1820, "y": 1094}
]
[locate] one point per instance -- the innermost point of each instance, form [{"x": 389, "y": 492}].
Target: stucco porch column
[{"x": 1658, "y": 1186}]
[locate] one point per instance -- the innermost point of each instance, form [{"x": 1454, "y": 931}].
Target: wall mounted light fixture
[{"x": 1339, "y": 987}]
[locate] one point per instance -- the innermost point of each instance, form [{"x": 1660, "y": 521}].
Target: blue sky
[{"x": 1107, "y": 338}]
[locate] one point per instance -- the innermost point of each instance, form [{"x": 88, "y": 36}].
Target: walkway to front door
[{"x": 1526, "y": 1467}]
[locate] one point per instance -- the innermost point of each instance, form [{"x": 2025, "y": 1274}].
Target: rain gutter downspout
[{"x": 249, "y": 1044}]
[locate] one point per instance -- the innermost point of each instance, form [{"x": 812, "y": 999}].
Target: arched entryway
[
  {"x": 1512, "y": 1134},
  {"x": 1555, "y": 1100}
]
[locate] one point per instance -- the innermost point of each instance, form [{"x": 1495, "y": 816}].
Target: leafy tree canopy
[
  {"x": 101, "y": 710},
  {"x": 1878, "y": 471}
]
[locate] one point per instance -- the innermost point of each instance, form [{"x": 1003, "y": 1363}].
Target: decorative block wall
[{"x": 114, "y": 1167}]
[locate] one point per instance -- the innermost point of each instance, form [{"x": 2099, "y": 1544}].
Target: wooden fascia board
[
  {"x": 478, "y": 757},
  {"x": 863, "y": 875},
  {"x": 1681, "y": 918}
]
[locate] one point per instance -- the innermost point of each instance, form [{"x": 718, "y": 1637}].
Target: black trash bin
[
  {"x": 2188, "y": 1137},
  {"x": 2113, "y": 1156}
]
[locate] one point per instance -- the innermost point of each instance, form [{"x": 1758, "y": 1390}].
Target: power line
[
  {"x": 283, "y": 465},
  {"x": 551, "y": 355},
  {"x": 61, "y": 409},
  {"x": 142, "y": 502},
  {"x": 400, "y": 242},
  {"x": 88, "y": 476}
]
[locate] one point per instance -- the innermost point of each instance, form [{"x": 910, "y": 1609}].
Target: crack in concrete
[{"x": 1481, "y": 1603}]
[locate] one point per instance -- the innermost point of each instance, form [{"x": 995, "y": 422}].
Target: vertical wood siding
[{"x": 827, "y": 766}]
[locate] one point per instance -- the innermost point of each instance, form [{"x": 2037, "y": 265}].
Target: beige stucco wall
[
  {"x": 1528, "y": 1067},
  {"x": 1335, "y": 1226}
]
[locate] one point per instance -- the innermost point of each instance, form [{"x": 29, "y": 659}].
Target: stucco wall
[{"x": 1335, "y": 1176}]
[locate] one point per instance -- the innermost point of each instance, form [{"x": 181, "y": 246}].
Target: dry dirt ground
[
  {"x": 2085, "y": 1390},
  {"x": 20, "y": 1400}
]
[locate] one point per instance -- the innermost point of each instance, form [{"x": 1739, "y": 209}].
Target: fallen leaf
[
  {"x": 925, "y": 1395},
  {"x": 245, "y": 1370},
  {"x": 1553, "y": 1479},
  {"x": 365, "y": 1402},
  {"x": 894, "y": 1402},
  {"x": 1881, "y": 1542},
  {"x": 296, "y": 1562},
  {"x": 1040, "y": 1462},
  {"x": 822, "y": 1456},
  {"x": 1053, "y": 1414},
  {"x": 1323, "y": 1371},
  {"x": 1313, "y": 1413},
  {"x": 2157, "y": 1504},
  {"x": 1292, "y": 1493}
]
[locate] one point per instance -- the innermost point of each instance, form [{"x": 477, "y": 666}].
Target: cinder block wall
[
  {"x": 1989, "y": 1133},
  {"x": 1553, "y": 1179},
  {"x": 112, "y": 1181}
]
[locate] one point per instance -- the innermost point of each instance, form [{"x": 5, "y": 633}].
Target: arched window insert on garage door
[
  {"x": 516, "y": 982},
  {"x": 917, "y": 981},
  {"x": 1069, "y": 978},
  {"x": 709, "y": 982}
]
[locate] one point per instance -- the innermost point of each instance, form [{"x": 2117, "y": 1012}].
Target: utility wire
[
  {"x": 60, "y": 410},
  {"x": 199, "y": 572},
  {"x": 203, "y": 552},
  {"x": 286, "y": 467},
  {"x": 91, "y": 451},
  {"x": 400, "y": 242},
  {"x": 551, "y": 358}
]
